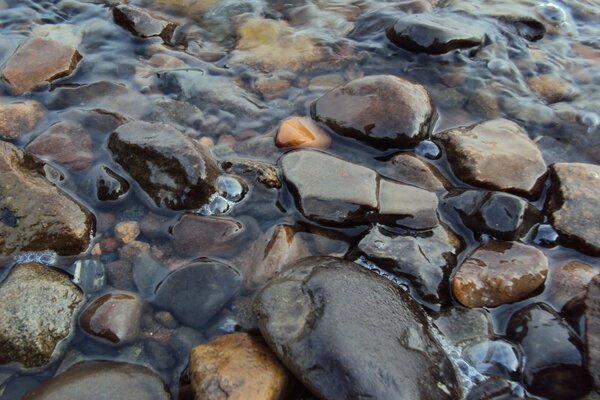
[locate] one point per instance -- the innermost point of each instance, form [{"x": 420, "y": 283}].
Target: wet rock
[
  {"x": 120, "y": 274},
  {"x": 494, "y": 358},
  {"x": 107, "y": 380},
  {"x": 38, "y": 61},
  {"x": 493, "y": 389},
  {"x": 302, "y": 132},
  {"x": 90, "y": 275},
  {"x": 574, "y": 204},
  {"x": 174, "y": 170},
  {"x": 592, "y": 330},
  {"x": 502, "y": 215},
  {"x": 495, "y": 154},
  {"x": 67, "y": 143},
  {"x": 36, "y": 314},
  {"x": 177, "y": 113},
  {"x": 237, "y": 366},
  {"x": 570, "y": 282},
  {"x": 406, "y": 205},
  {"x": 154, "y": 226},
  {"x": 198, "y": 235},
  {"x": 425, "y": 258},
  {"x": 263, "y": 173},
  {"x": 460, "y": 326},
  {"x": 160, "y": 357},
  {"x": 19, "y": 118},
  {"x": 196, "y": 292},
  {"x": 36, "y": 215},
  {"x": 383, "y": 110},
  {"x": 436, "y": 33},
  {"x": 110, "y": 186},
  {"x": 553, "y": 366},
  {"x": 113, "y": 318},
  {"x": 413, "y": 170},
  {"x": 551, "y": 88},
  {"x": 127, "y": 231},
  {"x": 498, "y": 273},
  {"x": 320, "y": 316},
  {"x": 148, "y": 273},
  {"x": 143, "y": 24}
]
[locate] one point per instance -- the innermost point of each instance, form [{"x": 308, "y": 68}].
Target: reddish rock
[
  {"x": 67, "y": 143},
  {"x": 19, "y": 118}
]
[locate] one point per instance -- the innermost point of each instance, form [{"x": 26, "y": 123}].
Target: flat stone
[
  {"x": 383, "y": 110},
  {"x": 37, "y": 311},
  {"x": 67, "y": 143},
  {"x": 142, "y": 23},
  {"x": 436, "y": 33},
  {"x": 574, "y": 205},
  {"x": 301, "y": 132},
  {"x": 570, "y": 283},
  {"x": 495, "y": 154},
  {"x": 107, "y": 380},
  {"x": 413, "y": 170},
  {"x": 237, "y": 366},
  {"x": 592, "y": 330},
  {"x": 174, "y": 170},
  {"x": 498, "y": 273},
  {"x": 346, "y": 332},
  {"x": 19, "y": 118},
  {"x": 406, "y": 205},
  {"x": 38, "y": 61},
  {"x": 36, "y": 215},
  {"x": 199, "y": 235}
]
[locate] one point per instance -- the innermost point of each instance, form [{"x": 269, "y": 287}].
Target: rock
[
  {"x": 110, "y": 186},
  {"x": 37, "y": 61},
  {"x": 493, "y": 389},
  {"x": 301, "y": 132},
  {"x": 36, "y": 215},
  {"x": 413, "y": 170},
  {"x": 460, "y": 326},
  {"x": 90, "y": 275},
  {"x": 425, "y": 258},
  {"x": 346, "y": 332},
  {"x": 574, "y": 203},
  {"x": 127, "y": 231},
  {"x": 498, "y": 273},
  {"x": 19, "y": 118},
  {"x": 113, "y": 318},
  {"x": 406, "y": 205},
  {"x": 107, "y": 380},
  {"x": 494, "y": 358},
  {"x": 120, "y": 274},
  {"x": 501, "y": 215},
  {"x": 436, "y": 33},
  {"x": 36, "y": 314},
  {"x": 383, "y": 110},
  {"x": 592, "y": 330},
  {"x": 570, "y": 283},
  {"x": 155, "y": 226},
  {"x": 143, "y": 24},
  {"x": 237, "y": 366},
  {"x": 497, "y": 155},
  {"x": 199, "y": 235},
  {"x": 148, "y": 273},
  {"x": 174, "y": 170},
  {"x": 196, "y": 292},
  {"x": 263, "y": 173},
  {"x": 67, "y": 143},
  {"x": 160, "y": 357},
  {"x": 553, "y": 362},
  {"x": 551, "y": 88}
]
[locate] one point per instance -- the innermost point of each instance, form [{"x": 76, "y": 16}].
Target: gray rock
[
  {"x": 198, "y": 235},
  {"x": 346, "y": 332},
  {"x": 142, "y": 23},
  {"x": 36, "y": 313},
  {"x": 413, "y": 170},
  {"x": 592, "y": 330},
  {"x": 148, "y": 273},
  {"x": 459, "y": 326}
]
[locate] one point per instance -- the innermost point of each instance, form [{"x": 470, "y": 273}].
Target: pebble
[
  {"x": 127, "y": 231},
  {"x": 197, "y": 235},
  {"x": 301, "y": 132}
]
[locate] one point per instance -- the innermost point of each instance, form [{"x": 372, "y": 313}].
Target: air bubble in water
[
  {"x": 546, "y": 236},
  {"x": 216, "y": 205},
  {"x": 41, "y": 257},
  {"x": 552, "y": 13},
  {"x": 428, "y": 149},
  {"x": 231, "y": 188}
]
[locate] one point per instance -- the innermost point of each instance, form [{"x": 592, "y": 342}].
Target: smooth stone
[
  {"x": 106, "y": 380},
  {"x": 20, "y": 118},
  {"x": 127, "y": 231},
  {"x": 147, "y": 273},
  {"x": 574, "y": 205},
  {"x": 551, "y": 88},
  {"x": 411, "y": 169},
  {"x": 552, "y": 353},
  {"x": 65, "y": 142},
  {"x": 110, "y": 186},
  {"x": 196, "y": 292},
  {"x": 120, "y": 274},
  {"x": 495, "y": 154},
  {"x": 237, "y": 366},
  {"x": 436, "y": 33},
  {"x": 425, "y": 258},
  {"x": 346, "y": 332},
  {"x": 160, "y": 357},
  {"x": 37, "y": 311},
  {"x": 198, "y": 235},
  {"x": 383, "y": 110},
  {"x": 38, "y": 61},
  {"x": 40, "y": 216},
  {"x": 592, "y": 330},
  {"x": 174, "y": 170},
  {"x": 570, "y": 283},
  {"x": 407, "y": 205},
  {"x": 494, "y": 358},
  {"x": 301, "y": 132},
  {"x": 142, "y": 23},
  {"x": 498, "y": 273},
  {"x": 461, "y": 326}
]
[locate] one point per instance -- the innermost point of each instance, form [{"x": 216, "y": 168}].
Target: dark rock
[
  {"x": 107, "y": 380},
  {"x": 411, "y": 169},
  {"x": 460, "y": 326},
  {"x": 553, "y": 366},
  {"x": 159, "y": 356},
  {"x": 494, "y": 358},
  {"x": 196, "y": 292},
  {"x": 174, "y": 170},
  {"x": 495, "y": 154},
  {"x": 89, "y": 274},
  {"x": 177, "y": 113},
  {"x": 436, "y": 33},
  {"x": 36, "y": 314},
  {"x": 383, "y": 110},
  {"x": 19, "y": 118},
  {"x": 346, "y": 332},
  {"x": 592, "y": 330},
  {"x": 120, "y": 274},
  {"x": 261, "y": 172},
  {"x": 574, "y": 205},
  {"x": 406, "y": 205},
  {"x": 148, "y": 273},
  {"x": 498, "y": 273},
  {"x": 110, "y": 186},
  {"x": 143, "y": 24},
  {"x": 42, "y": 217},
  {"x": 198, "y": 235},
  {"x": 493, "y": 389},
  {"x": 425, "y": 258}
]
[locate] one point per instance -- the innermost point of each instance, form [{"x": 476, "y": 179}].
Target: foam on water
[{"x": 42, "y": 257}]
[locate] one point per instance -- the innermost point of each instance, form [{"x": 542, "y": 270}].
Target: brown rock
[
  {"x": 195, "y": 235},
  {"x": 592, "y": 330},
  {"x": 495, "y": 154},
  {"x": 574, "y": 205},
  {"x": 266, "y": 174},
  {"x": 300, "y": 132},
  {"x": 67, "y": 143},
  {"x": 237, "y": 366},
  {"x": 143, "y": 24},
  {"x": 499, "y": 273},
  {"x": 570, "y": 282},
  {"x": 133, "y": 249},
  {"x": 19, "y": 118},
  {"x": 37, "y": 61},
  {"x": 551, "y": 88},
  {"x": 127, "y": 231},
  {"x": 120, "y": 274},
  {"x": 411, "y": 169}
]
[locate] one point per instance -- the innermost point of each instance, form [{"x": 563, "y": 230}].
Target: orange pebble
[{"x": 301, "y": 132}]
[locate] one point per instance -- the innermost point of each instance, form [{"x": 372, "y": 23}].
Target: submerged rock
[
  {"x": 411, "y": 169},
  {"x": 301, "y": 132},
  {"x": 20, "y": 118},
  {"x": 346, "y": 332},
  {"x": 384, "y": 110},
  {"x": 199, "y": 235},
  {"x": 109, "y": 186},
  {"x": 460, "y": 326},
  {"x": 142, "y": 23},
  {"x": 570, "y": 283},
  {"x": 36, "y": 314},
  {"x": 551, "y": 88},
  {"x": 592, "y": 330}
]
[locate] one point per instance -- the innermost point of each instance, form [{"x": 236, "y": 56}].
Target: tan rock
[
  {"x": 19, "y": 118},
  {"x": 67, "y": 143},
  {"x": 127, "y": 231},
  {"x": 300, "y": 132},
  {"x": 551, "y": 88},
  {"x": 237, "y": 367},
  {"x": 38, "y": 61},
  {"x": 413, "y": 170}
]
